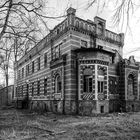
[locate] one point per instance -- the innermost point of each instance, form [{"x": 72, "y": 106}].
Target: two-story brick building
[{"x": 78, "y": 68}]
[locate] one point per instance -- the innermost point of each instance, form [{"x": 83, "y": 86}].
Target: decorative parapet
[
  {"x": 113, "y": 37},
  {"x": 130, "y": 63},
  {"x": 85, "y": 26}
]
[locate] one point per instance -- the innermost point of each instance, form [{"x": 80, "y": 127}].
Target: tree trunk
[{"x": 6, "y": 76}]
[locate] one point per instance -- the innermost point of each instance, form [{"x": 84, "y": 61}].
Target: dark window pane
[
  {"x": 38, "y": 63},
  {"x": 45, "y": 86},
  {"x": 90, "y": 84},
  {"x": 87, "y": 83},
  {"x": 33, "y": 67},
  {"x": 32, "y": 89},
  {"x": 102, "y": 84},
  {"x": 38, "y": 87},
  {"x": 45, "y": 60},
  {"x": 98, "y": 86}
]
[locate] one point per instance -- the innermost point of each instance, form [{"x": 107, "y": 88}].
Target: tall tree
[{"x": 22, "y": 25}]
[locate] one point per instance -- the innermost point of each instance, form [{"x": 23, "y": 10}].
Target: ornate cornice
[{"x": 93, "y": 61}]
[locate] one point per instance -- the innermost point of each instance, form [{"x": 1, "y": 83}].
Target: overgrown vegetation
[{"x": 25, "y": 125}]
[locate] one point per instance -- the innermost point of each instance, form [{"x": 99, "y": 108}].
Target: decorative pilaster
[
  {"x": 96, "y": 86},
  {"x": 71, "y": 15}
]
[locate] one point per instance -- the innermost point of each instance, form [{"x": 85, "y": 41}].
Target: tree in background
[
  {"x": 23, "y": 22},
  {"x": 22, "y": 25},
  {"x": 5, "y": 65},
  {"x": 123, "y": 10}
]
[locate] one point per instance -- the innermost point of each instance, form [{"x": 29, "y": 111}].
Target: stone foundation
[
  {"x": 55, "y": 106},
  {"x": 102, "y": 106},
  {"x": 87, "y": 107},
  {"x": 48, "y": 106},
  {"x": 114, "y": 106},
  {"x": 132, "y": 106},
  {"x": 83, "y": 107}
]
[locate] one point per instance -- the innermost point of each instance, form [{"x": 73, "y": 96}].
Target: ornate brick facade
[{"x": 78, "y": 68}]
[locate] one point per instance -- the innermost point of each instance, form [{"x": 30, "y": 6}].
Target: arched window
[
  {"x": 77, "y": 23},
  {"x": 58, "y": 84},
  {"x": 81, "y": 25},
  {"x": 130, "y": 85}
]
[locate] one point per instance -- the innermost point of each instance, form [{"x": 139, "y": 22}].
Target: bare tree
[
  {"x": 22, "y": 25},
  {"x": 22, "y": 15},
  {"x": 123, "y": 10},
  {"x": 5, "y": 65},
  {"x": 23, "y": 22}
]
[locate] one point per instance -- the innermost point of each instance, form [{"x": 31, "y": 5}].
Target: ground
[{"x": 26, "y": 125}]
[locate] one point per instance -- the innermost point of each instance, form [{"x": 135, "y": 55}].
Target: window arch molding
[
  {"x": 58, "y": 83},
  {"x": 130, "y": 84}
]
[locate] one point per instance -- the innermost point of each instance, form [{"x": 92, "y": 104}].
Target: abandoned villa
[{"x": 78, "y": 68}]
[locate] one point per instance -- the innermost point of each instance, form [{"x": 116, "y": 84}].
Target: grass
[{"x": 25, "y": 125}]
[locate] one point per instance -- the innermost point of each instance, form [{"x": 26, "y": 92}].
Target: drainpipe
[
  {"x": 77, "y": 86},
  {"x": 63, "y": 73}
]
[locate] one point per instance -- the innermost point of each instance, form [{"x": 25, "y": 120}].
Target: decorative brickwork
[
  {"x": 103, "y": 95},
  {"x": 78, "y": 68},
  {"x": 87, "y": 70}
]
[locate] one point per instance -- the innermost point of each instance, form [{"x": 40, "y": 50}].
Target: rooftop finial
[{"x": 71, "y": 11}]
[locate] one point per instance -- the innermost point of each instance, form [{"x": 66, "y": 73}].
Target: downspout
[
  {"x": 64, "y": 59},
  {"x": 77, "y": 86}
]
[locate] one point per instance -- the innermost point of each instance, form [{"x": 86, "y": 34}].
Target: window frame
[
  {"x": 27, "y": 69},
  {"x": 32, "y": 89},
  {"x": 58, "y": 84},
  {"x": 130, "y": 85},
  {"x": 38, "y": 63},
  {"x": 22, "y": 90},
  {"x": 38, "y": 87},
  {"x": 45, "y": 86},
  {"x": 45, "y": 59},
  {"x": 56, "y": 51},
  {"x": 33, "y": 66},
  {"x": 87, "y": 87},
  {"x": 23, "y": 72},
  {"x": 100, "y": 84}
]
